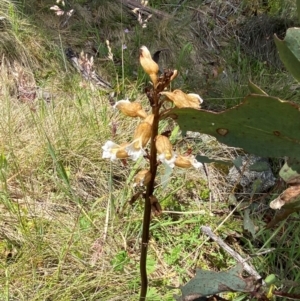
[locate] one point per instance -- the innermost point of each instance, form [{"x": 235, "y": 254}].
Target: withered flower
[
  {"x": 142, "y": 178},
  {"x": 165, "y": 150},
  {"x": 141, "y": 137},
  {"x": 149, "y": 119},
  {"x": 114, "y": 151},
  {"x": 183, "y": 100},
  {"x": 132, "y": 109},
  {"x": 187, "y": 162}
]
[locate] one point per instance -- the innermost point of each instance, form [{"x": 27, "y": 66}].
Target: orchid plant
[{"x": 161, "y": 149}]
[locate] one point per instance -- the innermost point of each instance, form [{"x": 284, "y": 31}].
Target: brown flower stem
[{"x": 149, "y": 192}]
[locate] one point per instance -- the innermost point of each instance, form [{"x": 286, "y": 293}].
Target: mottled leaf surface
[{"x": 207, "y": 283}]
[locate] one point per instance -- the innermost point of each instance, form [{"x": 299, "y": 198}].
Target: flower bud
[
  {"x": 187, "y": 162},
  {"x": 142, "y": 178},
  {"x": 142, "y": 134},
  {"x": 175, "y": 73},
  {"x": 164, "y": 146},
  {"x": 132, "y": 109},
  {"x": 149, "y": 66},
  {"x": 182, "y": 100}
]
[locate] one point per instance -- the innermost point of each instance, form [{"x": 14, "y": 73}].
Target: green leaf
[
  {"x": 248, "y": 223},
  {"x": 298, "y": 9},
  {"x": 3, "y": 161},
  {"x": 60, "y": 168},
  {"x": 207, "y": 283},
  {"x": 270, "y": 279},
  {"x": 255, "y": 89},
  {"x": 204, "y": 159},
  {"x": 259, "y": 166},
  {"x": 238, "y": 162},
  {"x": 289, "y": 51},
  {"x": 290, "y": 171},
  {"x": 262, "y": 125}
]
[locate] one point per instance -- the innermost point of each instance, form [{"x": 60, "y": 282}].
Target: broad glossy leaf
[
  {"x": 298, "y": 9},
  {"x": 262, "y": 125}
]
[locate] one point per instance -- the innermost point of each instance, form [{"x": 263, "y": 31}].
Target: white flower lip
[
  {"x": 196, "y": 163},
  {"x": 135, "y": 153},
  {"x": 109, "y": 150},
  {"x": 170, "y": 162}
]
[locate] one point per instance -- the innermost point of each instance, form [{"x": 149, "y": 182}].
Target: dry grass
[{"x": 67, "y": 231}]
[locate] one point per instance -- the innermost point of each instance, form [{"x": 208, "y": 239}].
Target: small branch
[{"x": 247, "y": 267}]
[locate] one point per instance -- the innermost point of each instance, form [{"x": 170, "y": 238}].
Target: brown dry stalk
[{"x": 149, "y": 193}]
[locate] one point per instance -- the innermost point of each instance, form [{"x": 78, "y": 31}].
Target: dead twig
[
  {"x": 247, "y": 267},
  {"x": 145, "y": 10}
]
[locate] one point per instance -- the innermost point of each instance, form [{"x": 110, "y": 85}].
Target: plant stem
[{"x": 149, "y": 192}]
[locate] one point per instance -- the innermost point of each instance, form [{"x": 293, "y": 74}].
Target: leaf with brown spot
[{"x": 254, "y": 125}]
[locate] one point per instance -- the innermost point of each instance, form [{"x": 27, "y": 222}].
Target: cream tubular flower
[
  {"x": 187, "y": 162},
  {"x": 114, "y": 151},
  {"x": 149, "y": 66},
  {"x": 142, "y": 178},
  {"x": 132, "y": 109},
  {"x": 141, "y": 137},
  {"x": 182, "y": 100},
  {"x": 165, "y": 150},
  {"x": 149, "y": 119}
]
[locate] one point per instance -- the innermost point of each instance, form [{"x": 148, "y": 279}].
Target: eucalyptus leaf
[
  {"x": 262, "y": 125},
  {"x": 207, "y": 283}
]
